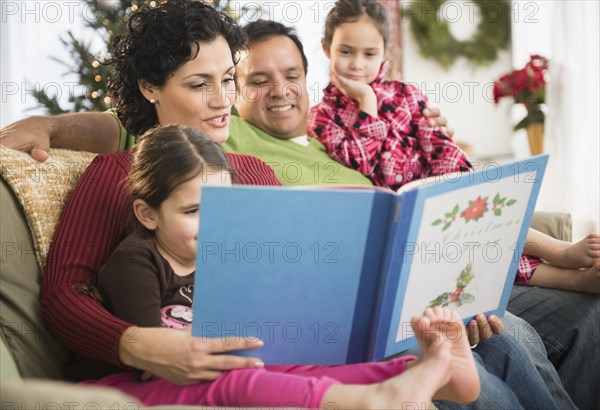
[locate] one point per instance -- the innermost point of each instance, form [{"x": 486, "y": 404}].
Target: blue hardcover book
[{"x": 333, "y": 276}]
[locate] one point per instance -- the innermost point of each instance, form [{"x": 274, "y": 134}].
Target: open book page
[
  {"x": 452, "y": 176},
  {"x": 463, "y": 248},
  {"x": 342, "y": 186},
  {"x": 405, "y": 188}
]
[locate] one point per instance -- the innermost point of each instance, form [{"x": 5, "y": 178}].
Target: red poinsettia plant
[{"x": 527, "y": 86}]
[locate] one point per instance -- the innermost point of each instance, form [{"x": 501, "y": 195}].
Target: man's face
[{"x": 272, "y": 94}]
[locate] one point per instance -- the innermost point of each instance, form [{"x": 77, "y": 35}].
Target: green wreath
[{"x": 435, "y": 40}]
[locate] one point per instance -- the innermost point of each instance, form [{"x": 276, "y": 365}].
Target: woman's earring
[{"x": 153, "y": 101}]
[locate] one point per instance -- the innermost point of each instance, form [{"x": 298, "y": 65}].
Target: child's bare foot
[
  {"x": 418, "y": 384},
  {"x": 582, "y": 254},
  {"x": 443, "y": 324},
  {"x": 413, "y": 388},
  {"x": 576, "y": 280},
  {"x": 422, "y": 379},
  {"x": 588, "y": 280}
]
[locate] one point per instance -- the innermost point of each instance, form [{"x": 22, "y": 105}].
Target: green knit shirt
[{"x": 292, "y": 163}]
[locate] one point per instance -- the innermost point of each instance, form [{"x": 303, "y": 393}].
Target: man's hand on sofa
[
  {"x": 90, "y": 131},
  {"x": 177, "y": 356},
  {"x": 436, "y": 119},
  {"x": 30, "y": 135}
]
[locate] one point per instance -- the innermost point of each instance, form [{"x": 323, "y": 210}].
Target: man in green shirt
[{"x": 273, "y": 102}]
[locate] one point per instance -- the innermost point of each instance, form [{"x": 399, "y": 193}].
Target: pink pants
[{"x": 274, "y": 386}]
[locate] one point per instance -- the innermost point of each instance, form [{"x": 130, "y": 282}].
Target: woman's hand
[
  {"x": 177, "y": 356},
  {"x": 481, "y": 328},
  {"x": 436, "y": 119}
]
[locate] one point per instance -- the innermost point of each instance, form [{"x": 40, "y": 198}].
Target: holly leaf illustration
[
  {"x": 436, "y": 222},
  {"x": 448, "y": 224},
  {"x": 511, "y": 202},
  {"x": 465, "y": 277},
  {"x": 497, "y": 211},
  {"x": 464, "y": 298},
  {"x": 441, "y": 300}
]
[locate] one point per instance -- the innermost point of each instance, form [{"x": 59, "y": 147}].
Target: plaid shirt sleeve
[{"x": 350, "y": 135}]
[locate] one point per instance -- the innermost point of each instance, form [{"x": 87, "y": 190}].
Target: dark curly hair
[{"x": 157, "y": 42}]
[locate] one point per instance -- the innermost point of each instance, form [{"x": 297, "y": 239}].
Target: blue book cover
[{"x": 333, "y": 276}]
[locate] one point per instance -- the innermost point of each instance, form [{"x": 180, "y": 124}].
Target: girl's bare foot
[
  {"x": 414, "y": 388},
  {"x": 437, "y": 324},
  {"x": 576, "y": 280},
  {"x": 582, "y": 254}
]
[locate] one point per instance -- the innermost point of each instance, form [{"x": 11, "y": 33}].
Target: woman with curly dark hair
[{"x": 156, "y": 67}]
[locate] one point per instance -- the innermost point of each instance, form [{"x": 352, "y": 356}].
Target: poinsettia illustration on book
[
  {"x": 475, "y": 210},
  {"x": 458, "y": 296}
]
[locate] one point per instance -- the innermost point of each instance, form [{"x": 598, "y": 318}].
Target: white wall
[
  {"x": 29, "y": 36},
  {"x": 463, "y": 92}
]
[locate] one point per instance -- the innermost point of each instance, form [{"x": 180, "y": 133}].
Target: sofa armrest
[{"x": 555, "y": 224}]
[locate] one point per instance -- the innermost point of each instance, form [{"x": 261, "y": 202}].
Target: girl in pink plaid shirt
[{"x": 378, "y": 128}]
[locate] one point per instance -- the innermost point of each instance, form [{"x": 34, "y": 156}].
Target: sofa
[{"x": 31, "y": 197}]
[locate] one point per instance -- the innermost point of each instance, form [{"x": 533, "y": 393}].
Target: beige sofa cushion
[
  {"x": 555, "y": 224},
  {"x": 42, "y": 189}
]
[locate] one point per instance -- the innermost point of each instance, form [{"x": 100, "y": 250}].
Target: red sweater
[{"x": 94, "y": 221}]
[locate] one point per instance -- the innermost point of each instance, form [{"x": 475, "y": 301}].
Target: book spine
[
  {"x": 366, "y": 300},
  {"x": 400, "y": 219}
]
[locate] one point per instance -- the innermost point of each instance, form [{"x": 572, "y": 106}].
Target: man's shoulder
[
  {"x": 240, "y": 128},
  {"x": 245, "y": 138},
  {"x": 236, "y": 123}
]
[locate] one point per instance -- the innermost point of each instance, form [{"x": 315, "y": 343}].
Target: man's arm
[{"x": 89, "y": 131}]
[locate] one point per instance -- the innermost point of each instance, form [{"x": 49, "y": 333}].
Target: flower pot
[{"x": 535, "y": 134}]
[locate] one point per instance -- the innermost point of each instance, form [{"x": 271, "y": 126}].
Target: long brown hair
[
  {"x": 348, "y": 11},
  {"x": 166, "y": 157}
]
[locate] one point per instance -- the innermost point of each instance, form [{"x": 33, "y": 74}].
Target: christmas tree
[{"x": 110, "y": 20}]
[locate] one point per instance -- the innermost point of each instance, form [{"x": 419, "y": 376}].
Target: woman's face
[{"x": 200, "y": 93}]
